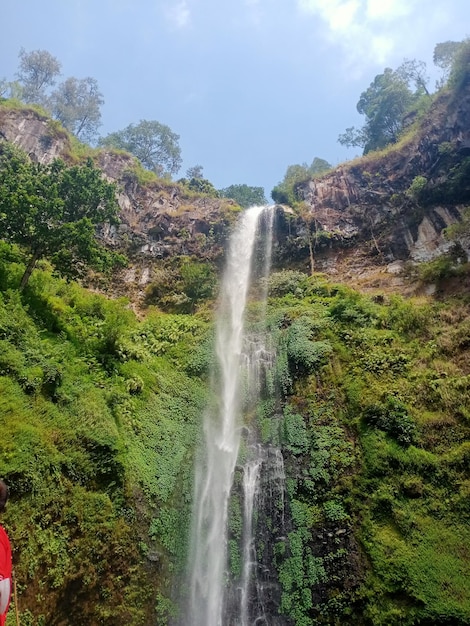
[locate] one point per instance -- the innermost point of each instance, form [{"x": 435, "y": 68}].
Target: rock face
[
  {"x": 375, "y": 207},
  {"x": 34, "y": 133},
  {"x": 158, "y": 218},
  {"x": 365, "y": 214}
]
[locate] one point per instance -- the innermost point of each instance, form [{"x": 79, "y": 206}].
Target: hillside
[
  {"x": 101, "y": 407},
  {"x": 369, "y": 217}
]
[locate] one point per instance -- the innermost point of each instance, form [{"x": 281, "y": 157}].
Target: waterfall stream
[{"x": 242, "y": 362}]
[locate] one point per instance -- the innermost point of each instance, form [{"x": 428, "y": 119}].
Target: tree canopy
[
  {"x": 445, "y": 53},
  {"x": 154, "y": 144},
  {"x": 285, "y": 192},
  {"x": 244, "y": 195},
  {"x": 384, "y": 104},
  {"x": 76, "y": 103},
  {"x": 52, "y": 210},
  {"x": 394, "y": 95},
  {"x": 37, "y": 72}
]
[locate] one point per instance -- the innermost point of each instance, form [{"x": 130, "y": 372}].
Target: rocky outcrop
[
  {"x": 373, "y": 205},
  {"x": 39, "y": 136},
  {"x": 365, "y": 214},
  {"x": 158, "y": 219}
]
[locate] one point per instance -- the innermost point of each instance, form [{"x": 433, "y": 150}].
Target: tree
[
  {"x": 319, "y": 166},
  {"x": 384, "y": 104},
  {"x": 285, "y": 191},
  {"x": 414, "y": 71},
  {"x": 53, "y": 210},
  {"x": 76, "y": 103},
  {"x": 194, "y": 172},
  {"x": 244, "y": 195},
  {"x": 37, "y": 72},
  {"x": 444, "y": 56},
  {"x": 154, "y": 144}
]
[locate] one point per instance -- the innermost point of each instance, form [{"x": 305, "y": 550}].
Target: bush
[
  {"x": 392, "y": 417},
  {"x": 287, "y": 281},
  {"x": 416, "y": 190},
  {"x": 304, "y": 355}
]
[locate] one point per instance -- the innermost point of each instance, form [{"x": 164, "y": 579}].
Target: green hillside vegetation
[
  {"x": 100, "y": 415},
  {"x": 376, "y": 427}
]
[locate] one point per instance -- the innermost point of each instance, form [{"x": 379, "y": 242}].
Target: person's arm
[{"x": 5, "y": 586}]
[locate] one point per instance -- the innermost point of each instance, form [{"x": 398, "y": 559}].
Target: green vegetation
[
  {"x": 53, "y": 211},
  {"x": 98, "y": 419},
  {"x": 100, "y": 413},
  {"x": 374, "y": 435},
  {"x": 244, "y": 195},
  {"x": 154, "y": 144},
  {"x": 76, "y": 103},
  {"x": 396, "y": 97},
  {"x": 286, "y": 191}
]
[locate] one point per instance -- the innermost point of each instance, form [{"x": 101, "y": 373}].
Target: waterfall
[
  {"x": 236, "y": 381},
  {"x": 250, "y": 488}
]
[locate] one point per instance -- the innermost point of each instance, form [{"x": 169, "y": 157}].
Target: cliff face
[
  {"x": 159, "y": 219},
  {"x": 366, "y": 216},
  {"x": 371, "y": 212}
]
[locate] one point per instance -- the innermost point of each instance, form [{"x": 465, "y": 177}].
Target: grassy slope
[
  {"x": 381, "y": 454},
  {"x": 100, "y": 412},
  {"x": 97, "y": 416}
]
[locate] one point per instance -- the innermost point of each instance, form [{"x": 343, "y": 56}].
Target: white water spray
[
  {"x": 222, "y": 431},
  {"x": 250, "y": 487}
]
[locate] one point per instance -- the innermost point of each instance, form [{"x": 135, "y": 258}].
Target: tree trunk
[
  {"x": 29, "y": 269},
  {"x": 312, "y": 258}
]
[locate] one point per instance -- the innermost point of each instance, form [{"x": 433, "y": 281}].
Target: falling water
[
  {"x": 222, "y": 433},
  {"x": 250, "y": 486}
]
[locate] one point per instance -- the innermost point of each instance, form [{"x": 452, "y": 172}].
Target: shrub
[
  {"x": 305, "y": 355},
  {"x": 392, "y": 417},
  {"x": 416, "y": 190},
  {"x": 287, "y": 281},
  {"x": 294, "y": 432}
]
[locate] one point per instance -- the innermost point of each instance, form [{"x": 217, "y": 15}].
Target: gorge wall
[
  {"x": 365, "y": 218},
  {"x": 369, "y": 212}
]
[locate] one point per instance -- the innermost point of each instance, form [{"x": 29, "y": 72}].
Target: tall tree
[
  {"x": 53, "y": 210},
  {"x": 444, "y": 56},
  {"x": 37, "y": 72},
  {"x": 384, "y": 104},
  {"x": 244, "y": 195},
  {"x": 413, "y": 71},
  {"x": 154, "y": 144},
  {"x": 196, "y": 171},
  {"x": 76, "y": 103}
]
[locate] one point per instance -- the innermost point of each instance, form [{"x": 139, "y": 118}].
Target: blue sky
[{"x": 251, "y": 86}]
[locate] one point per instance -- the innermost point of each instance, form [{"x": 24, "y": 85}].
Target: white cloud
[
  {"x": 369, "y": 31},
  {"x": 388, "y": 9},
  {"x": 179, "y": 14}
]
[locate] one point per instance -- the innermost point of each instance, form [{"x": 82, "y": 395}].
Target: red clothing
[{"x": 5, "y": 566}]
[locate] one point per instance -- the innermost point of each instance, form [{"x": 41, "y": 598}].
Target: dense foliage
[
  {"x": 98, "y": 418},
  {"x": 154, "y": 144},
  {"x": 100, "y": 413},
  {"x": 395, "y": 97},
  {"x": 244, "y": 195},
  {"x": 53, "y": 211},
  {"x": 375, "y": 440},
  {"x": 285, "y": 191}
]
